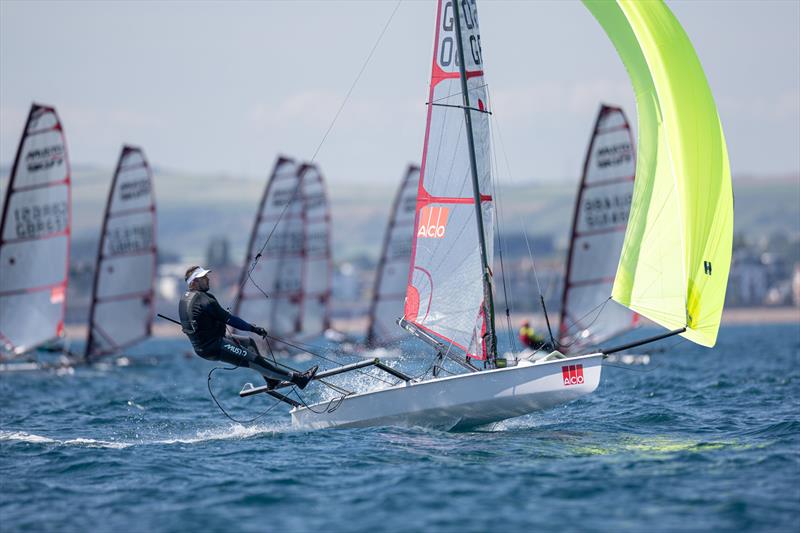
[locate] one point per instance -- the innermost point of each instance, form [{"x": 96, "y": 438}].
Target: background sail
[
  {"x": 445, "y": 290},
  {"x": 278, "y": 272},
  {"x": 392, "y": 273},
  {"x": 316, "y": 286},
  {"x": 35, "y": 236},
  {"x": 124, "y": 280},
  {"x": 676, "y": 257},
  {"x": 295, "y": 267},
  {"x": 588, "y": 317}
]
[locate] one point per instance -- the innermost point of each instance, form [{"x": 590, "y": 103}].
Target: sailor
[
  {"x": 203, "y": 320},
  {"x": 529, "y": 338}
]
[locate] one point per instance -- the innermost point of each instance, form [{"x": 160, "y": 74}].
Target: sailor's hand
[{"x": 261, "y": 332}]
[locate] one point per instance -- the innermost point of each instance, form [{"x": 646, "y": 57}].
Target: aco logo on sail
[
  {"x": 432, "y": 222},
  {"x": 572, "y": 374}
]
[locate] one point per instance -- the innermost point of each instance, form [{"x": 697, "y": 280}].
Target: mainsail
[
  {"x": 392, "y": 273},
  {"x": 599, "y": 222},
  {"x": 288, "y": 290},
  {"x": 124, "y": 278},
  {"x": 35, "y": 236},
  {"x": 676, "y": 255},
  {"x": 449, "y": 293}
]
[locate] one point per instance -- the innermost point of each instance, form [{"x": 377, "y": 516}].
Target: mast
[{"x": 488, "y": 301}]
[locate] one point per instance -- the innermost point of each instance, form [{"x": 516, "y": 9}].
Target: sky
[{"x": 224, "y": 87}]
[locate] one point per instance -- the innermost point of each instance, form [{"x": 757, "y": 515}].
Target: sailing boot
[
  {"x": 271, "y": 383},
  {"x": 302, "y": 380}
]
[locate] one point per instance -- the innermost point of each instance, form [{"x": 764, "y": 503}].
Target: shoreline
[{"x": 734, "y": 316}]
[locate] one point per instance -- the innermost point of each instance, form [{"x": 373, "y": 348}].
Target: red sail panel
[
  {"x": 392, "y": 273},
  {"x": 35, "y": 236},
  {"x": 123, "y": 293},
  {"x": 445, "y": 290},
  {"x": 588, "y": 316}
]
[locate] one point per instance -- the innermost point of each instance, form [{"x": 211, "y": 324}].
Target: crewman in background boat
[
  {"x": 203, "y": 320},
  {"x": 529, "y": 338}
]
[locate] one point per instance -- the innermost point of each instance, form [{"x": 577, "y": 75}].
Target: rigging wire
[
  {"x": 257, "y": 257},
  {"x": 213, "y": 397}
]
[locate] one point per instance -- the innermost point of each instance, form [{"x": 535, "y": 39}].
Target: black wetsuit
[{"x": 203, "y": 320}]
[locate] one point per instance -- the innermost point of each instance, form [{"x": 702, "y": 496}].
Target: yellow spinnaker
[{"x": 677, "y": 251}]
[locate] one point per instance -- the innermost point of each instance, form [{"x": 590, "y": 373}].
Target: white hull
[{"x": 459, "y": 402}]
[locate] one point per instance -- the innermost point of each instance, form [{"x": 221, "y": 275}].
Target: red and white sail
[
  {"x": 588, "y": 316},
  {"x": 35, "y": 236},
  {"x": 445, "y": 292},
  {"x": 391, "y": 277},
  {"x": 288, "y": 290},
  {"x": 123, "y": 292}
]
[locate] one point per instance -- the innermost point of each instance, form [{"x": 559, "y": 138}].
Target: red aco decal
[
  {"x": 572, "y": 375},
  {"x": 432, "y": 222}
]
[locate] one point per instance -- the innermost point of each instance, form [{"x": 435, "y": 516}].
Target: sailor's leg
[{"x": 245, "y": 349}]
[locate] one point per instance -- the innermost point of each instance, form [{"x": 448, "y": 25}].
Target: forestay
[
  {"x": 392, "y": 273},
  {"x": 445, "y": 295},
  {"x": 677, "y": 250},
  {"x": 588, "y": 316},
  {"x": 35, "y": 236},
  {"x": 125, "y": 271},
  {"x": 288, "y": 290}
]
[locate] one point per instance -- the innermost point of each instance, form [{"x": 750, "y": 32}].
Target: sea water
[{"x": 696, "y": 439}]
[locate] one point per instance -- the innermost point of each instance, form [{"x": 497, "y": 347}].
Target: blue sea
[{"x": 697, "y": 439}]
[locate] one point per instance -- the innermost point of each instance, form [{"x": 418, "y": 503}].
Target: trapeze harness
[{"x": 203, "y": 320}]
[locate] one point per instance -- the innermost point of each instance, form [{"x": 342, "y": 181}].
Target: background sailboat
[
  {"x": 123, "y": 294},
  {"x": 35, "y": 236},
  {"x": 391, "y": 276},
  {"x": 588, "y": 316},
  {"x": 288, "y": 290}
]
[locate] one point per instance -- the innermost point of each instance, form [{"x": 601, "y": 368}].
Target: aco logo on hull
[
  {"x": 433, "y": 222},
  {"x": 572, "y": 375}
]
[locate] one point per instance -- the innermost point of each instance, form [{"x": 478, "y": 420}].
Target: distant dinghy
[
  {"x": 391, "y": 277},
  {"x": 123, "y": 291},
  {"x": 288, "y": 290},
  {"x": 588, "y": 316},
  {"x": 35, "y": 230}
]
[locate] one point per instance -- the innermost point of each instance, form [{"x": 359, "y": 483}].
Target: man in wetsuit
[{"x": 203, "y": 320}]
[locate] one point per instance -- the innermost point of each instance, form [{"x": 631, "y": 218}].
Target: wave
[{"x": 234, "y": 432}]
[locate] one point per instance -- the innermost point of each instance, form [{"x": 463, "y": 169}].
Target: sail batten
[
  {"x": 676, "y": 256},
  {"x": 35, "y": 230},
  {"x": 123, "y": 291}
]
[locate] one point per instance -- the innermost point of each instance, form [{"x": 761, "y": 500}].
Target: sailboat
[
  {"x": 674, "y": 262},
  {"x": 123, "y": 291},
  {"x": 35, "y": 237},
  {"x": 588, "y": 315},
  {"x": 388, "y": 291},
  {"x": 288, "y": 290}
]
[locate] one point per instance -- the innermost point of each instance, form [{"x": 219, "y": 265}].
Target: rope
[{"x": 213, "y": 397}]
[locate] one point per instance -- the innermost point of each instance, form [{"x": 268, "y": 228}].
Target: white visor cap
[{"x": 198, "y": 272}]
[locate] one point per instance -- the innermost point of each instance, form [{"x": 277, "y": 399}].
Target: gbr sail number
[{"x": 447, "y": 50}]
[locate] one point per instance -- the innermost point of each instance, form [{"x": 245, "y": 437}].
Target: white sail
[
  {"x": 35, "y": 236},
  {"x": 124, "y": 281},
  {"x": 588, "y": 315},
  {"x": 288, "y": 290},
  {"x": 392, "y": 273},
  {"x": 446, "y": 293}
]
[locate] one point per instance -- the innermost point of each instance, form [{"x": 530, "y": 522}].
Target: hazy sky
[{"x": 222, "y": 87}]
